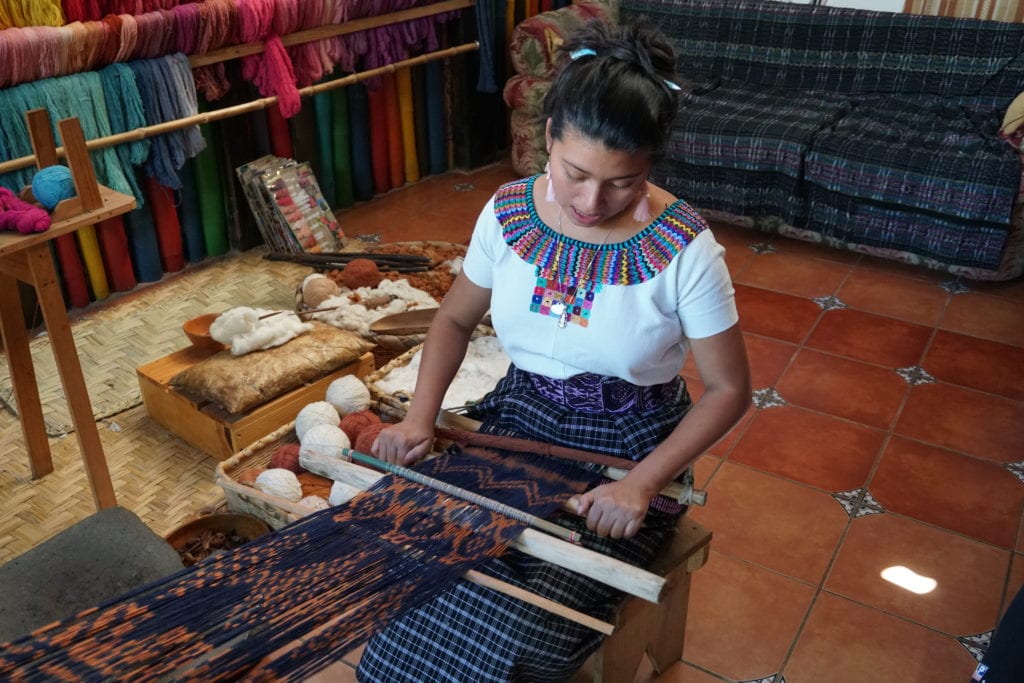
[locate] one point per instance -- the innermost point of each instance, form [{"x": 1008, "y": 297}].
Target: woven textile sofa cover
[{"x": 871, "y": 131}]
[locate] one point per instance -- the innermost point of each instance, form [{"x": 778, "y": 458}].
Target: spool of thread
[{"x": 52, "y": 184}]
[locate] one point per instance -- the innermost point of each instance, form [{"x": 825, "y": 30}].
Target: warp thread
[{"x": 384, "y": 552}]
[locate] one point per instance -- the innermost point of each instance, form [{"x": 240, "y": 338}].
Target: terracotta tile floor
[{"x": 887, "y": 432}]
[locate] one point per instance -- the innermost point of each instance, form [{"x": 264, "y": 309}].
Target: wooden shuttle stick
[{"x": 610, "y": 571}]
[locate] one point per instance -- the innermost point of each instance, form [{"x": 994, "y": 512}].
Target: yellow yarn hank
[{"x": 24, "y": 13}]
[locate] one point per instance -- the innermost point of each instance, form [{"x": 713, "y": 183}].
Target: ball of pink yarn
[{"x": 354, "y": 423}]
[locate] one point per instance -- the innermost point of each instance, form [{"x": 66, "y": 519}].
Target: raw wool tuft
[
  {"x": 348, "y": 394},
  {"x": 326, "y": 440},
  {"x": 350, "y": 314},
  {"x": 315, "y": 503},
  {"x": 353, "y": 423},
  {"x": 342, "y": 493},
  {"x": 485, "y": 363},
  {"x": 454, "y": 265},
  {"x": 312, "y": 414},
  {"x": 243, "y": 329},
  {"x": 280, "y": 482}
]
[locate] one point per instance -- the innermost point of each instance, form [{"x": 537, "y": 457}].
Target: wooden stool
[{"x": 657, "y": 629}]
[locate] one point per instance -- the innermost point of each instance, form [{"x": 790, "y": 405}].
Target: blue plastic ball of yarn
[{"x": 52, "y": 184}]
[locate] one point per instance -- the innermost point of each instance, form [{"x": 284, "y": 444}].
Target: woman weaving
[{"x": 598, "y": 283}]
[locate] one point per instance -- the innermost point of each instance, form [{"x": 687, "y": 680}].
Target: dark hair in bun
[{"x": 621, "y": 95}]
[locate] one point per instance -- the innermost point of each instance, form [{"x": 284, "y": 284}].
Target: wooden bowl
[{"x": 197, "y": 330}]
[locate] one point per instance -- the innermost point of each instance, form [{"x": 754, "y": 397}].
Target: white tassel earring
[
  {"x": 550, "y": 195},
  {"x": 642, "y": 211}
]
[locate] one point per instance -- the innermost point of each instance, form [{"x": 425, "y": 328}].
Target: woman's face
[{"x": 592, "y": 183}]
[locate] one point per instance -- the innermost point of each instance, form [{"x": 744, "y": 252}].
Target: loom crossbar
[{"x": 608, "y": 570}]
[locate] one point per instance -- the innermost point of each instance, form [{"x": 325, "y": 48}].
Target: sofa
[{"x": 876, "y": 132}]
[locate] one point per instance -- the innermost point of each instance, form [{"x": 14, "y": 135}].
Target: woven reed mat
[
  {"x": 144, "y": 325},
  {"x": 156, "y": 475}
]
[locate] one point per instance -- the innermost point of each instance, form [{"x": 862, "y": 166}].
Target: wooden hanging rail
[
  {"x": 254, "y": 105},
  {"x": 330, "y": 31}
]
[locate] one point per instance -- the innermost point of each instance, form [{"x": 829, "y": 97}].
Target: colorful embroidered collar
[{"x": 636, "y": 260}]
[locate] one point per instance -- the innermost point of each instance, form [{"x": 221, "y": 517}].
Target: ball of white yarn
[
  {"x": 315, "y": 503},
  {"x": 318, "y": 413},
  {"x": 348, "y": 394},
  {"x": 342, "y": 493},
  {"x": 280, "y": 482},
  {"x": 324, "y": 439}
]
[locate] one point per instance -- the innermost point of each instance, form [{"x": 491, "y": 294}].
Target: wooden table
[{"x": 28, "y": 258}]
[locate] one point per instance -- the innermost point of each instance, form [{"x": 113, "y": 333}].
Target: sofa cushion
[
  {"x": 921, "y": 153},
  {"x": 724, "y": 138},
  {"x": 536, "y": 42},
  {"x": 789, "y": 44},
  {"x": 526, "y": 93},
  {"x": 905, "y": 233}
]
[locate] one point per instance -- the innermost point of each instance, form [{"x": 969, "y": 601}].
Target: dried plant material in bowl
[
  {"x": 197, "y": 330},
  {"x": 214, "y": 534}
]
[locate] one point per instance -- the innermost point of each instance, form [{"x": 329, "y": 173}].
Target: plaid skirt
[{"x": 471, "y": 634}]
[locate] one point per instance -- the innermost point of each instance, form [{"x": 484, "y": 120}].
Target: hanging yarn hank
[
  {"x": 168, "y": 93},
  {"x": 124, "y": 110},
  {"x": 254, "y": 612}
]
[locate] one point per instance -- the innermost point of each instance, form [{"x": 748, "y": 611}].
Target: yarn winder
[{"x": 27, "y": 258}]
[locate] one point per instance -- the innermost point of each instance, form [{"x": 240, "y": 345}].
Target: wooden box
[{"x": 209, "y": 427}]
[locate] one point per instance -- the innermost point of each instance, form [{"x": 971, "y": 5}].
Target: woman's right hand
[{"x": 405, "y": 443}]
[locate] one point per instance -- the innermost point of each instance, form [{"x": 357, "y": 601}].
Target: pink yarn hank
[{"x": 16, "y": 214}]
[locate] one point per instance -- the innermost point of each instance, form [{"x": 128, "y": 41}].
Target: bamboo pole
[
  {"x": 330, "y": 31},
  {"x": 608, "y": 570},
  {"x": 246, "y": 107}
]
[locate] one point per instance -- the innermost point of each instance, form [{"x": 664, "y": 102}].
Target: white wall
[{"x": 880, "y": 5}]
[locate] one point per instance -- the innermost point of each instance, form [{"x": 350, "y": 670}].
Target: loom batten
[{"x": 615, "y": 573}]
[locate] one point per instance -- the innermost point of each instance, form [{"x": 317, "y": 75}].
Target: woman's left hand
[{"x": 616, "y": 510}]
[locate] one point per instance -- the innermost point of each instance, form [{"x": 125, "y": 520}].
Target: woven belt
[{"x": 592, "y": 393}]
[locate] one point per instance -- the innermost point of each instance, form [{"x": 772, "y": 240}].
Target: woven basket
[
  {"x": 393, "y": 405},
  {"x": 274, "y": 510}
]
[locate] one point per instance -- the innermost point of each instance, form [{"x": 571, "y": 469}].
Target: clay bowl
[
  {"x": 197, "y": 330},
  {"x": 236, "y": 530}
]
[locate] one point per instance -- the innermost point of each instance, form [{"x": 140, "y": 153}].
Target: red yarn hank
[{"x": 353, "y": 424}]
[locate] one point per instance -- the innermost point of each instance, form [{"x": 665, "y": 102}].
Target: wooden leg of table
[
  {"x": 62, "y": 342},
  {"x": 23, "y": 378}
]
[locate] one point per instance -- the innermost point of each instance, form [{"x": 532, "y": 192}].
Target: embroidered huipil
[{"x": 630, "y": 306}]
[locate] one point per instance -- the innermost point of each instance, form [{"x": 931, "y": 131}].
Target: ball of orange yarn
[
  {"x": 287, "y": 457},
  {"x": 248, "y": 477},
  {"x": 361, "y": 272},
  {"x": 364, "y": 442},
  {"x": 354, "y": 423}
]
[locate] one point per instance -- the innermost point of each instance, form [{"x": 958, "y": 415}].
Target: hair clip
[
  {"x": 582, "y": 52},
  {"x": 671, "y": 85}
]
